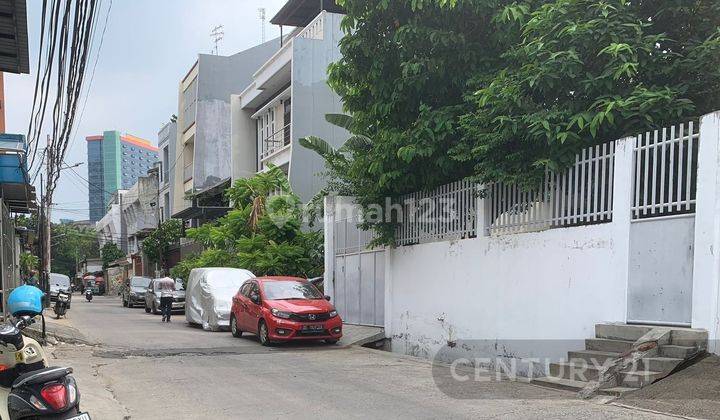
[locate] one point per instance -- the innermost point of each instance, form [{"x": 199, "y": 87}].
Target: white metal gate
[
  {"x": 358, "y": 281},
  {"x": 662, "y": 232}
]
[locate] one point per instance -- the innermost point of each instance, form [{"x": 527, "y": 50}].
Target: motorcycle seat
[{"x": 43, "y": 375}]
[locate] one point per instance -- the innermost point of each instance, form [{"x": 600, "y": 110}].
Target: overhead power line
[{"x": 92, "y": 75}]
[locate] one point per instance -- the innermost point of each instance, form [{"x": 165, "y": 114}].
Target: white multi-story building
[
  {"x": 110, "y": 227},
  {"x": 288, "y": 99},
  {"x": 140, "y": 211}
]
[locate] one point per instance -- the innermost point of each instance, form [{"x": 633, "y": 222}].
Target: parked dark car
[
  {"x": 152, "y": 298},
  {"x": 133, "y": 291}
]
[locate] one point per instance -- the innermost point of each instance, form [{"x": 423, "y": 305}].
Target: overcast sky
[{"x": 149, "y": 46}]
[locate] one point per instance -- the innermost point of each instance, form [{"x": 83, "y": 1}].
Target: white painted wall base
[{"x": 532, "y": 293}]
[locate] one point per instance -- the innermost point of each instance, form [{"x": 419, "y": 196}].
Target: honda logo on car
[{"x": 311, "y": 317}]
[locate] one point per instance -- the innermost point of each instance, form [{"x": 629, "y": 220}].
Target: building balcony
[
  {"x": 276, "y": 146},
  {"x": 275, "y": 73}
]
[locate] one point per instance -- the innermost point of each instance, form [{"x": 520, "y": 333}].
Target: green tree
[
  {"x": 109, "y": 253},
  {"x": 28, "y": 263},
  {"x": 262, "y": 233},
  {"x": 158, "y": 242},
  {"x": 588, "y": 71},
  {"x": 501, "y": 90},
  {"x": 70, "y": 245}
]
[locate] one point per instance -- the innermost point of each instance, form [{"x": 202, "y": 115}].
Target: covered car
[{"x": 209, "y": 293}]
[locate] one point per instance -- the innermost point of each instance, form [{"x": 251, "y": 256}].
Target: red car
[{"x": 284, "y": 309}]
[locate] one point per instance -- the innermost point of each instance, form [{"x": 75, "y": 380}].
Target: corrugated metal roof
[{"x": 14, "y": 55}]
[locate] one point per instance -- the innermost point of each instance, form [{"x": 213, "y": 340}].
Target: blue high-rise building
[{"x": 115, "y": 161}]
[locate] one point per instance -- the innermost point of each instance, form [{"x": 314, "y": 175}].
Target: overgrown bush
[{"x": 262, "y": 233}]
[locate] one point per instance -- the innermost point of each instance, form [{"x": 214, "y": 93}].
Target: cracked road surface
[{"x": 140, "y": 368}]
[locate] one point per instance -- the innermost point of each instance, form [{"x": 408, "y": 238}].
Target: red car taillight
[{"x": 55, "y": 395}]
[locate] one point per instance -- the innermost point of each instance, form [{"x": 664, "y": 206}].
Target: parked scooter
[
  {"x": 88, "y": 295},
  {"x": 61, "y": 304},
  {"x": 29, "y": 389}
]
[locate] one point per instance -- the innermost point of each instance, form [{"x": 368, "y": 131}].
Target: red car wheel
[{"x": 263, "y": 333}]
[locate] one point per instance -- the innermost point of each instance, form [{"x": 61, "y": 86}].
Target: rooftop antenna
[
  {"x": 261, "y": 15},
  {"x": 217, "y": 35}
]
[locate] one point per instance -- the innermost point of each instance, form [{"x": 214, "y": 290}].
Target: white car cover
[{"x": 209, "y": 293}]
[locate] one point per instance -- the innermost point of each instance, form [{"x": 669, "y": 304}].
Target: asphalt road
[
  {"x": 104, "y": 320},
  {"x": 141, "y": 368}
]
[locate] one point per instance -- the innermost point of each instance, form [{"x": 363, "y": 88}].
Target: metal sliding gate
[
  {"x": 358, "y": 275},
  {"x": 662, "y": 232}
]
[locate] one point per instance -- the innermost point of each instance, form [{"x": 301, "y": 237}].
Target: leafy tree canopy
[
  {"x": 70, "y": 245},
  {"x": 109, "y": 253},
  {"x": 502, "y": 90},
  {"x": 261, "y": 234},
  {"x": 157, "y": 244},
  {"x": 28, "y": 263}
]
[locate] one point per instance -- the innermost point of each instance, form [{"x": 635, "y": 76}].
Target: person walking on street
[{"x": 167, "y": 291}]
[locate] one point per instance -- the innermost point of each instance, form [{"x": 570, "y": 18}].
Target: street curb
[
  {"x": 55, "y": 335},
  {"x": 647, "y": 410}
]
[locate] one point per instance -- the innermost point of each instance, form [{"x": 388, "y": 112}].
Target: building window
[{"x": 286, "y": 121}]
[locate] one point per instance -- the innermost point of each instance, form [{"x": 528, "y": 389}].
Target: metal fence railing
[
  {"x": 665, "y": 173},
  {"x": 445, "y": 213},
  {"x": 662, "y": 175},
  {"x": 582, "y": 194},
  {"x": 275, "y": 141}
]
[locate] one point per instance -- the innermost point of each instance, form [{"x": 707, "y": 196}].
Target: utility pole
[{"x": 46, "y": 223}]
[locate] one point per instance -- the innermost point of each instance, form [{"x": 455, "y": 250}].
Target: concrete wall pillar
[
  {"x": 389, "y": 255},
  {"x": 329, "y": 246},
  {"x": 482, "y": 214},
  {"x": 706, "y": 263},
  {"x": 624, "y": 164}
]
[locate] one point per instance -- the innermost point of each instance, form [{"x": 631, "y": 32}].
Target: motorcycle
[
  {"x": 30, "y": 388},
  {"x": 61, "y": 304},
  {"x": 88, "y": 295}
]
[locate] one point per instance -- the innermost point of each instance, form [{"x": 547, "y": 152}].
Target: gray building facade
[
  {"x": 166, "y": 176},
  {"x": 203, "y": 146}
]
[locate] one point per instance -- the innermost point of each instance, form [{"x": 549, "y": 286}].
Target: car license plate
[
  {"x": 81, "y": 416},
  {"x": 312, "y": 327},
  {"x": 19, "y": 357}
]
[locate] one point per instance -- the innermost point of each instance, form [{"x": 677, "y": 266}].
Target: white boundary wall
[
  {"x": 550, "y": 285},
  {"x": 553, "y": 285}
]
